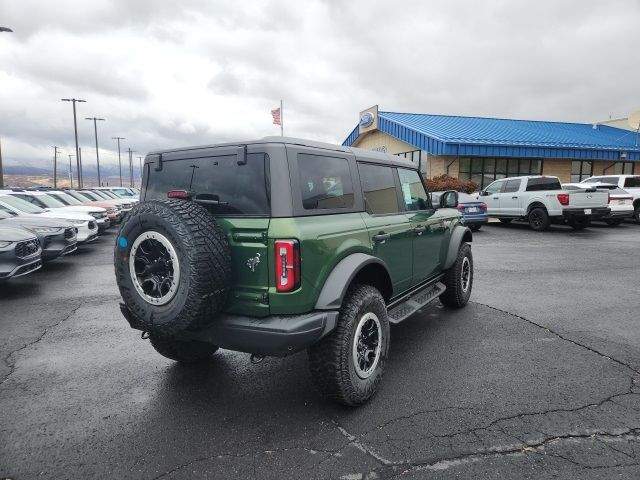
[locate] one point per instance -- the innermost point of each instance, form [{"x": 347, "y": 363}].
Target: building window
[
  {"x": 581, "y": 169},
  {"x": 623, "y": 168},
  {"x": 483, "y": 171},
  {"x": 416, "y": 156}
]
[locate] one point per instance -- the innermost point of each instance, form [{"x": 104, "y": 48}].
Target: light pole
[
  {"x": 70, "y": 171},
  {"x": 140, "y": 160},
  {"x": 75, "y": 130},
  {"x": 95, "y": 129},
  {"x": 55, "y": 166},
  {"x": 131, "y": 165},
  {"x": 2, "y": 29},
  {"x": 119, "y": 159}
]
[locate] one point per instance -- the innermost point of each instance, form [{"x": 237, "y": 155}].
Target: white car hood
[
  {"x": 82, "y": 209},
  {"x": 61, "y": 213}
]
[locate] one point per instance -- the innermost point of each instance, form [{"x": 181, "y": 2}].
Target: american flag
[{"x": 276, "y": 116}]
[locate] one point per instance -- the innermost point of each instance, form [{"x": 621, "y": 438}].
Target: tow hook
[{"x": 256, "y": 358}]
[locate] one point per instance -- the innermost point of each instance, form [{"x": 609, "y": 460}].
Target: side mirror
[
  {"x": 483, "y": 193},
  {"x": 449, "y": 199}
]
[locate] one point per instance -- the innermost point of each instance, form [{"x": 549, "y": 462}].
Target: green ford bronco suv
[{"x": 277, "y": 245}]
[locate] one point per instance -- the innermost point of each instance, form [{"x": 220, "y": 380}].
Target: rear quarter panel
[{"x": 324, "y": 241}]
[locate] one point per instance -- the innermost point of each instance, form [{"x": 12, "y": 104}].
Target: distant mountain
[{"x": 24, "y": 170}]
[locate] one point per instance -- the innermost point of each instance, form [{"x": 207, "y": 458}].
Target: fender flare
[
  {"x": 336, "y": 284},
  {"x": 459, "y": 236}
]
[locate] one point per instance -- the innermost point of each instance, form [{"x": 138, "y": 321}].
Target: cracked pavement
[{"x": 536, "y": 378}]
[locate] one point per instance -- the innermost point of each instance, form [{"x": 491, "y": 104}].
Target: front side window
[
  {"x": 413, "y": 192},
  {"x": 325, "y": 182},
  {"x": 379, "y": 189},
  {"x": 20, "y": 204},
  {"x": 512, "y": 185},
  {"x": 495, "y": 187}
]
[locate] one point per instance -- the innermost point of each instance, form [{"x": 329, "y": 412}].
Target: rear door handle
[
  {"x": 420, "y": 229},
  {"x": 514, "y": 197},
  {"x": 496, "y": 198},
  {"x": 381, "y": 237}
]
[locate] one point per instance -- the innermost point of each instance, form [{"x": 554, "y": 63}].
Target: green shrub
[{"x": 445, "y": 182}]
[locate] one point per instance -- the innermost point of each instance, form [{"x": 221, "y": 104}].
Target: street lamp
[
  {"x": 75, "y": 129},
  {"x": 119, "y": 159},
  {"x": 95, "y": 129},
  {"x": 131, "y": 152},
  {"x": 55, "y": 165},
  {"x": 70, "y": 171}
]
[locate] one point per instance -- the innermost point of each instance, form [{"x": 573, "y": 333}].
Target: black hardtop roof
[{"x": 360, "y": 153}]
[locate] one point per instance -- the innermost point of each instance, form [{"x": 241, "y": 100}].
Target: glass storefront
[
  {"x": 483, "y": 171},
  {"x": 581, "y": 169}
]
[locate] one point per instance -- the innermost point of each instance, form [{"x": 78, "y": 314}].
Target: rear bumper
[
  {"x": 569, "y": 213},
  {"x": 475, "y": 219},
  {"x": 273, "y": 335}
]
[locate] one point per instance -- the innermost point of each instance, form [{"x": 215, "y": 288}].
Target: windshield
[
  {"x": 101, "y": 195},
  {"x": 50, "y": 202},
  {"x": 66, "y": 198},
  {"x": 122, "y": 192},
  {"x": 20, "y": 205},
  {"x": 91, "y": 196},
  {"x": 109, "y": 194}
]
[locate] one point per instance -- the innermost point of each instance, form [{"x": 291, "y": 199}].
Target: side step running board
[{"x": 415, "y": 302}]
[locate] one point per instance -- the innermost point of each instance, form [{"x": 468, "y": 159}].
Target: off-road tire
[
  {"x": 455, "y": 296},
  {"x": 579, "y": 223},
  {"x": 203, "y": 255},
  {"x": 539, "y": 219},
  {"x": 613, "y": 222},
  {"x": 331, "y": 359},
  {"x": 474, "y": 228},
  {"x": 183, "y": 351},
  {"x": 506, "y": 221}
]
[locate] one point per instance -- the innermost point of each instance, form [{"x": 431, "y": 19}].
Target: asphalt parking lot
[{"x": 535, "y": 378}]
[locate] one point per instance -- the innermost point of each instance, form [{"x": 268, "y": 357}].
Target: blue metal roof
[{"x": 477, "y": 136}]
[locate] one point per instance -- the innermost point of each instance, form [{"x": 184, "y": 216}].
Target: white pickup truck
[
  {"x": 630, "y": 183},
  {"x": 540, "y": 200}
]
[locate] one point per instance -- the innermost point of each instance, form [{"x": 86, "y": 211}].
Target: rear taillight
[
  {"x": 608, "y": 197},
  {"x": 179, "y": 194},
  {"x": 287, "y": 265},
  {"x": 483, "y": 206},
  {"x": 460, "y": 207},
  {"x": 563, "y": 198}
]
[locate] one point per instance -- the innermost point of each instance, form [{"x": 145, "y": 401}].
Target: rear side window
[
  {"x": 543, "y": 183},
  {"x": 632, "y": 182},
  {"x": 325, "y": 182},
  {"x": 225, "y": 187},
  {"x": 379, "y": 189},
  {"x": 512, "y": 185}
]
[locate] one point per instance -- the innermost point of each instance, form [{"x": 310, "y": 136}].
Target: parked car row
[
  {"x": 40, "y": 225},
  {"x": 543, "y": 200}
]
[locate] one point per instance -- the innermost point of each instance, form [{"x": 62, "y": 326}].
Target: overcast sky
[{"x": 175, "y": 73}]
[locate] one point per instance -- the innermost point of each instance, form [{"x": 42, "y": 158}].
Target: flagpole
[{"x": 281, "y": 120}]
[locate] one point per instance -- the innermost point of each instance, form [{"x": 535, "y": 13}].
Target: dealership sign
[{"x": 366, "y": 119}]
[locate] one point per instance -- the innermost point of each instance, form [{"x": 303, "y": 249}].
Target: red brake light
[
  {"x": 460, "y": 206},
  {"x": 287, "y": 265},
  {"x": 483, "y": 206},
  {"x": 563, "y": 198},
  {"x": 178, "y": 194}
]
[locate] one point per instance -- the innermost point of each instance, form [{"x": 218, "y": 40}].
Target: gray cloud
[{"x": 195, "y": 72}]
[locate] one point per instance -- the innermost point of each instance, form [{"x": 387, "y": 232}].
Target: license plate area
[{"x": 587, "y": 211}]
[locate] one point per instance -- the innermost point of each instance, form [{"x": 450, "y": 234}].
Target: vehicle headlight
[
  {"x": 46, "y": 229},
  {"x": 78, "y": 222},
  {"x": 4, "y": 244}
]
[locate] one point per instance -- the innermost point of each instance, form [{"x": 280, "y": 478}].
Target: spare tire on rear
[{"x": 173, "y": 266}]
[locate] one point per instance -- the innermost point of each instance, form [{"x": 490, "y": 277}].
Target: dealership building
[{"x": 485, "y": 149}]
